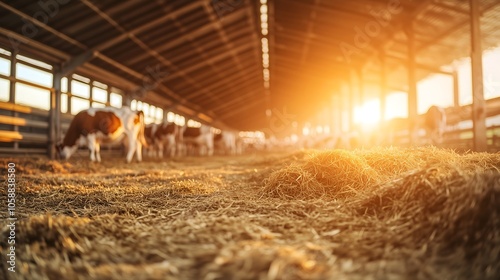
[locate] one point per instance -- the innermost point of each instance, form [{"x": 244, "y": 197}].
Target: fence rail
[{"x": 25, "y": 130}]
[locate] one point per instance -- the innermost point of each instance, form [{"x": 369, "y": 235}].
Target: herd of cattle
[{"x": 95, "y": 126}]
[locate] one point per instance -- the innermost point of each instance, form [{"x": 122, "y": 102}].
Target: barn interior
[{"x": 286, "y": 76}]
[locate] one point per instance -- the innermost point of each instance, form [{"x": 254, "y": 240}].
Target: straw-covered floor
[{"x": 422, "y": 213}]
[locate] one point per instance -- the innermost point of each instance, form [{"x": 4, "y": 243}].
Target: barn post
[
  {"x": 336, "y": 120},
  {"x": 12, "y": 90},
  {"x": 91, "y": 92},
  {"x": 383, "y": 86},
  {"x": 55, "y": 113},
  {"x": 412, "y": 83},
  {"x": 332, "y": 112},
  {"x": 346, "y": 111},
  {"x": 478, "y": 103},
  {"x": 456, "y": 95},
  {"x": 70, "y": 95},
  {"x": 361, "y": 96},
  {"x": 108, "y": 96},
  {"x": 352, "y": 101}
]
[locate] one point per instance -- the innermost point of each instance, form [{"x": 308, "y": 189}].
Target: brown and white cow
[
  {"x": 94, "y": 126},
  {"x": 225, "y": 142},
  {"x": 160, "y": 135},
  {"x": 200, "y": 137},
  {"x": 434, "y": 123}
]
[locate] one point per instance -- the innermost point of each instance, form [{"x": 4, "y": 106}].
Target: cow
[
  {"x": 225, "y": 142},
  {"x": 160, "y": 135},
  {"x": 104, "y": 125},
  {"x": 200, "y": 137},
  {"x": 434, "y": 123}
]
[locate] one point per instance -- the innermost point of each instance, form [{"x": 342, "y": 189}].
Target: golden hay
[
  {"x": 340, "y": 174},
  {"x": 419, "y": 213}
]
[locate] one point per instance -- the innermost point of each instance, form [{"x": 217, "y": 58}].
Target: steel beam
[
  {"x": 55, "y": 114},
  {"x": 412, "y": 82},
  {"x": 456, "y": 93},
  {"x": 383, "y": 85},
  {"x": 478, "y": 103},
  {"x": 43, "y": 25},
  {"x": 149, "y": 25}
]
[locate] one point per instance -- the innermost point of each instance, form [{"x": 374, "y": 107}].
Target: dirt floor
[{"x": 423, "y": 213}]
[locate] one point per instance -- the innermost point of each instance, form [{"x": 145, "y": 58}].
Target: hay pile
[
  {"x": 340, "y": 174},
  {"x": 388, "y": 213},
  {"x": 440, "y": 204}
]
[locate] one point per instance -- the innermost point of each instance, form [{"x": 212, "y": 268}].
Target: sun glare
[{"x": 368, "y": 113}]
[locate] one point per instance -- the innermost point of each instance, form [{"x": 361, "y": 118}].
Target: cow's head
[{"x": 65, "y": 152}]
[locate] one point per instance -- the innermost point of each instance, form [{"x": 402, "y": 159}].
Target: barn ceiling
[{"x": 204, "y": 58}]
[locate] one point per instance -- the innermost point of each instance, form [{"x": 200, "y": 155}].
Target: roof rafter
[
  {"x": 144, "y": 27},
  {"x": 191, "y": 35}
]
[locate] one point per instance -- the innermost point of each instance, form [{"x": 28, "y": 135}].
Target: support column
[
  {"x": 361, "y": 96},
  {"x": 12, "y": 90},
  {"x": 91, "y": 93},
  {"x": 70, "y": 94},
  {"x": 478, "y": 103},
  {"x": 456, "y": 98},
  {"x": 108, "y": 96},
  {"x": 55, "y": 113},
  {"x": 352, "y": 102},
  {"x": 345, "y": 109},
  {"x": 383, "y": 86},
  {"x": 412, "y": 83}
]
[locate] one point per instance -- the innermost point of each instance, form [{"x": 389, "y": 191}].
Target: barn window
[
  {"x": 33, "y": 75},
  {"x": 193, "y": 123},
  {"x": 81, "y": 78},
  {"x": 80, "y": 89},
  {"x": 139, "y": 106},
  {"x": 34, "y": 62},
  {"x": 99, "y": 95},
  {"x": 170, "y": 117},
  {"x": 159, "y": 115},
  {"x": 64, "y": 103},
  {"x": 179, "y": 120},
  {"x": 78, "y": 104},
  {"x": 4, "y": 66},
  {"x": 98, "y": 105},
  {"x": 5, "y": 52},
  {"x": 99, "y": 85},
  {"x": 32, "y": 96},
  {"x": 115, "y": 100},
  {"x": 4, "y": 89},
  {"x": 64, "y": 84}
]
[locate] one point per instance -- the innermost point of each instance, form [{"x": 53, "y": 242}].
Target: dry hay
[
  {"x": 340, "y": 173},
  {"x": 421, "y": 213}
]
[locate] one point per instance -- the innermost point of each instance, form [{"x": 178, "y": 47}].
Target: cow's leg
[
  {"x": 98, "y": 151},
  {"x": 139, "y": 150},
  {"x": 160, "y": 149},
  {"x": 171, "y": 147},
  {"x": 132, "y": 146},
  {"x": 152, "y": 150},
  {"x": 91, "y": 140},
  {"x": 210, "y": 145}
]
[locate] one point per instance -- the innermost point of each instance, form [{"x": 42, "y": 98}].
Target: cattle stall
[{"x": 250, "y": 139}]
